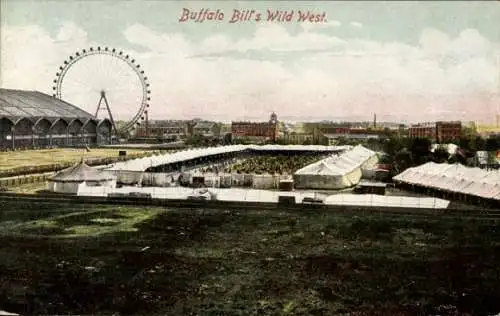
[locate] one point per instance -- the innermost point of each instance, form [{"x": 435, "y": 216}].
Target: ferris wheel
[{"x": 103, "y": 79}]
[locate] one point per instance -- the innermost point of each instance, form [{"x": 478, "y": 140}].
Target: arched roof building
[{"x": 31, "y": 119}]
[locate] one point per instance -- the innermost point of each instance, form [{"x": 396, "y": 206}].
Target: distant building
[
  {"x": 354, "y": 134},
  {"x": 299, "y": 138},
  {"x": 486, "y": 130},
  {"x": 437, "y": 131},
  {"x": 446, "y": 131},
  {"x": 295, "y": 134},
  {"x": 169, "y": 129},
  {"x": 487, "y": 159},
  {"x": 263, "y": 130},
  {"x": 333, "y": 133},
  {"x": 206, "y": 129},
  {"x": 422, "y": 130},
  {"x": 333, "y": 130},
  {"x": 481, "y": 159}
]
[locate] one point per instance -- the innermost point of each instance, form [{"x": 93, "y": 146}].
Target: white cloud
[
  {"x": 69, "y": 31},
  {"x": 275, "y": 37},
  {"x": 356, "y": 25},
  {"x": 307, "y": 26},
  {"x": 441, "y": 75}
]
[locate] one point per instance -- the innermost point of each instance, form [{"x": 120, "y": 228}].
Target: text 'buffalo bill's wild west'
[{"x": 252, "y": 15}]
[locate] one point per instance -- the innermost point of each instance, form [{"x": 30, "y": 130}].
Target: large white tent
[
  {"x": 131, "y": 171},
  {"x": 454, "y": 178},
  {"x": 142, "y": 164},
  {"x": 71, "y": 179},
  {"x": 337, "y": 171}
]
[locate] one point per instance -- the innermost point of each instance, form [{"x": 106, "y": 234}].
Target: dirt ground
[{"x": 89, "y": 259}]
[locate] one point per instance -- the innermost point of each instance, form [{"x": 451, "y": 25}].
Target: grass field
[
  {"x": 89, "y": 259},
  {"x": 13, "y": 159}
]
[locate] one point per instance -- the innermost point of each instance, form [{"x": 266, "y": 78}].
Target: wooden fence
[{"x": 26, "y": 179}]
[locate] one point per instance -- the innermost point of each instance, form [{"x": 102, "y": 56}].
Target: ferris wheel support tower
[{"x": 106, "y": 104}]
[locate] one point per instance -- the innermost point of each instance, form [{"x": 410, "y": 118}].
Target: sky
[{"x": 405, "y": 61}]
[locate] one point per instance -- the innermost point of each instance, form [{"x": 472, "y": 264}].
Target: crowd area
[{"x": 278, "y": 164}]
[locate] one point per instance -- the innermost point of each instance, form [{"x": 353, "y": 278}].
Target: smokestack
[{"x": 374, "y": 120}]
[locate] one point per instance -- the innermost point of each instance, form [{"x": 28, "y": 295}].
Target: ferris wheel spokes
[{"x": 114, "y": 77}]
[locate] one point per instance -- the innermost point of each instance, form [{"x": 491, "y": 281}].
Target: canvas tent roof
[
  {"x": 339, "y": 164},
  {"x": 454, "y": 178},
  {"x": 142, "y": 164},
  {"x": 81, "y": 172}
]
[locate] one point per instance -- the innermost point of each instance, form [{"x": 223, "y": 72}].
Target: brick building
[
  {"x": 448, "y": 131},
  {"x": 422, "y": 130},
  {"x": 265, "y": 130},
  {"x": 166, "y": 129},
  {"x": 438, "y": 131}
]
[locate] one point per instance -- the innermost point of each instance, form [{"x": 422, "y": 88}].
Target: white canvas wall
[
  {"x": 158, "y": 179},
  {"x": 336, "y": 172},
  {"x": 129, "y": 177},
  {"x": 63, "y": 187},
  {"x": 74, "y": 187},
  {"x": 328, "y": 182},
  {"x": 265, "y": 181}
]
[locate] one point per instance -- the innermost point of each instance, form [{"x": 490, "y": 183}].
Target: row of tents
[
  {"x": 453, "y": 178},
  {"x": 335, "y": 172}
]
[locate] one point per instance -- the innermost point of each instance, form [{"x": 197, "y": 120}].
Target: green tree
[
  {"x": 440, "y": 155},
  {"x": 228, "y": 139},
  {"x": 195, "y": 140},
  {"x": 491, "y": 144},
  {"x": 392, "y": 145},
  {"x": 467, "y": 143},
  {"x": 402, "y": 161},
  {"x": 420, "y": 150},
  {"x": 480, "y": 143}
]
